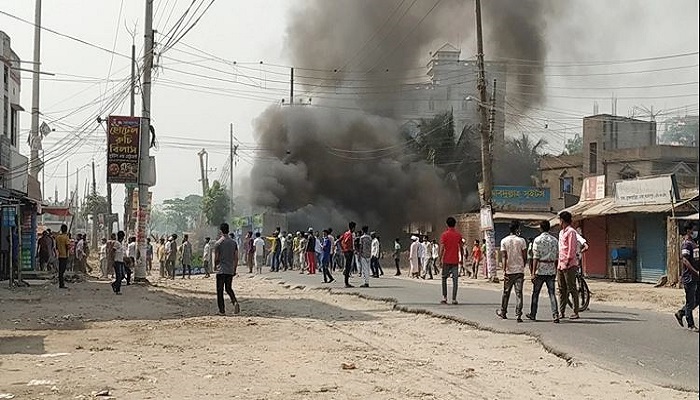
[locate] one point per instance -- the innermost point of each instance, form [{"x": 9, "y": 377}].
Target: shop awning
[
  {"x": 607, "y": 206},
  {"x": 521, "y": 216},
  {"x": 58, "y": 211}
]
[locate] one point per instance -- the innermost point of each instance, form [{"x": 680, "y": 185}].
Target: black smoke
[{"x": 327, "y": 164}]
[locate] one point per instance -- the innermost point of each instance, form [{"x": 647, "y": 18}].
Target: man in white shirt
[
  {"x": 514, "y": 251},
  {"x": 374, "y": 261},
  {"x": 103, "y": 258},
  {"x": 436, "y": 254},
  {"x": 259, "y": 245},
  {"x": 206, "y": 257},
  {"x": 427, "y": 258}
]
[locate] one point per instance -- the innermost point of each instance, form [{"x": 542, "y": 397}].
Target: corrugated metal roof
[{"x": 521, "y": 215}]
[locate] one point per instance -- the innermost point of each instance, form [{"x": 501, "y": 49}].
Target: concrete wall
[{"x": 553, "y": 168}]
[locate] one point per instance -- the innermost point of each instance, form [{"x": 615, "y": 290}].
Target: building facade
[
  {"x": 452, "y": 86},
  {"x": 20, "y": 195}
]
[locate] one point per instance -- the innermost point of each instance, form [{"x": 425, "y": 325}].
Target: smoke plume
[
  {"x": 325, "y": 165},
  {"x": 323, "y": 169}
]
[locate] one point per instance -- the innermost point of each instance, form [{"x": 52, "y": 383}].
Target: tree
[
  {"x": 520, "y": 161},
  {"x": 94, "y": 204},
  {"x": 182, "y": 214},
  {"x": 574, "y": 146},
  {"x": 435, "y": 141},
  {"x": 681, "y": 132},
  {"x": 216, "y": 204}
]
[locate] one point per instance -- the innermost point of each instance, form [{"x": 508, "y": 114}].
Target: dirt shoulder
[{"x": 288, "y": 343}]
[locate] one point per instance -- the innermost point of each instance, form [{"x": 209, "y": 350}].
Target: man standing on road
[
  {"x": 62, "y": 245},
  {"x": 545, "y": 251},
  {"x": 226, "y": 261},
  {"x": 414, "y": 259},
  {"x": 160, "y": 252},
  {"x": 186, "y": 257},
  {"x": 326, "y": 257},
  {"x": 397, "y": 256},
  {"x": 364, "y": 255},
  {"x": 311, "y": 252},
  {"x": 567, "y": 265},
  {"x": 476, "y": 259},
  {"x": 374, "y": 261},
  {"x": 689, "y": 277},
  {"x": 118, "y": 255},
  {"x": 347, "y": 245},
  {"x": 514, "y": 251},
  {"x": 103, "y": 258},
  {"x": 171, "y": 255},
  {"x": 450, "y": 253},
  {"x": 259, "y": 251},
  {"x": 206, "y": 257}
]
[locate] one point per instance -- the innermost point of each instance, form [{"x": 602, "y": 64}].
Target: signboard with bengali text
[
  {"x": 593, "y": 188},
  {"x": 520, "y": 198},
  {"x": 646, "y": 191},
  {"x": 123, "y": 138}
]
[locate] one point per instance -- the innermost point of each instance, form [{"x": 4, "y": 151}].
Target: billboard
[
  {"x": 646, "y": 191},
  {"x": 593, "y": 188},
  {"x": 123, "y": 138},
  {"x": 520, "y": 198}
]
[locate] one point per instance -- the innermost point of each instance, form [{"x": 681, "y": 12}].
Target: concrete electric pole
[
  {"x": 35, "y": 136},
  {"x": 144, "y": 158},
  {"x": 129, "y": 200},
  {"x": 233, "y": 150},
  {"x": 486, "y": 149},
  {"x": 93, "y": 242}
]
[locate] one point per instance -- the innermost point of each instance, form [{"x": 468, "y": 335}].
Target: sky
[{"x": 595, "y": 51}]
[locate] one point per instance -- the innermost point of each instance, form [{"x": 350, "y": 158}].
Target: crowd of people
[{"x": 61, "y": 252}]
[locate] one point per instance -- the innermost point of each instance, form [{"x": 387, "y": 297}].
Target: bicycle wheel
[{"x": 584, "y": 295}]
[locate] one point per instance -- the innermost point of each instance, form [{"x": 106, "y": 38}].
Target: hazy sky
[{"x": 193, "y": 104}]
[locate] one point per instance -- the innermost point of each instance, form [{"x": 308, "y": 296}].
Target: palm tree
[{"x": 518, "y": 162}]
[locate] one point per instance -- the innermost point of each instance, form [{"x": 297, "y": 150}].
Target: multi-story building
[
  {"x": 20, "y": 195},
  {"x": 452, "y": 86}
]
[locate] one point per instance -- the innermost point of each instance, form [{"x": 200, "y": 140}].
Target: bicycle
[{"x": 584, "y": 293}]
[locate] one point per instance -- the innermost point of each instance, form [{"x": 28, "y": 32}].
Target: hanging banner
[{"x": 123, "y": 138}]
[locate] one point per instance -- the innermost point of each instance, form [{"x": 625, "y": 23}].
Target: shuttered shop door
[
  {"x": 620, "y": 234},
  {"x": 651, "y": 247},
  {"x": 595, "y": 260}
]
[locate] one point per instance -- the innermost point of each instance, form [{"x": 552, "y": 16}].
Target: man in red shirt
[
  {"x": 347, "y": 245},
  {"x": 450, "y": 254}
]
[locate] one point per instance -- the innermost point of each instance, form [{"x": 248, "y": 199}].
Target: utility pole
[
  {"x": 144, "y": 159},
  {"x": 93, "y": 243},
  {"x": 486, "y": 149},
  {"x": 128, "y": 201},
  {"x": 232, "y": 155},
  {"x": 35, "y": 137},
  {"x": 204, "y": 170},
  {"x": 291, "y": 87}
]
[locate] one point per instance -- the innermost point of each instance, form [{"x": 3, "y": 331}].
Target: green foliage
[
  {"x": 435, "y": 141},
  {"x": 682, "y": 132},
  {"x": 574, "y": 146},
  {"x": 216, "y": 204},
  {"x": 182, "y": 214},
  {"x": 94, "y": 204}
]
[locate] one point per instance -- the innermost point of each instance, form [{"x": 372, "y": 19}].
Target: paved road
[{"x": 640, "y": 343}]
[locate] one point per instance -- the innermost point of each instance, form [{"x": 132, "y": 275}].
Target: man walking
[
  {"x": 62, "y": 245},
  {"x": 514, "y": 251},
  {"x": 414, "y": 259},
  {"x": 689, "y": 277},
  {"x": 545, "y": 251},
  {"x": 347, "y": 245},
  {"x": 567, "y": 265},
  {"x": 160, "y": 252},
  {"x": 374, "y": 261},
  {"x": 450, "y": 253},
  {"x": 326, "y": 257},
  {"x": 427, "y": 258},
  {"x": 206, "y": 257},
  {"x": 226, "y": 261},
  {"x": 118, "y": 255},
  {"x": 259, "y": 252}
]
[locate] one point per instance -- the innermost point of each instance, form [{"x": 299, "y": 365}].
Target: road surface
[{"x": 645, "y": 344}]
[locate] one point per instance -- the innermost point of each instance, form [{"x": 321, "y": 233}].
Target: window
[
  {"x": 566, "y": 185},
  {"x": 5, "y": 116},
  {"x": 13, "y": 127},
  {"x": 593, "y": 158},
  {"x": 5, "y": 78},
  {"x": 431, "y": 105}
]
